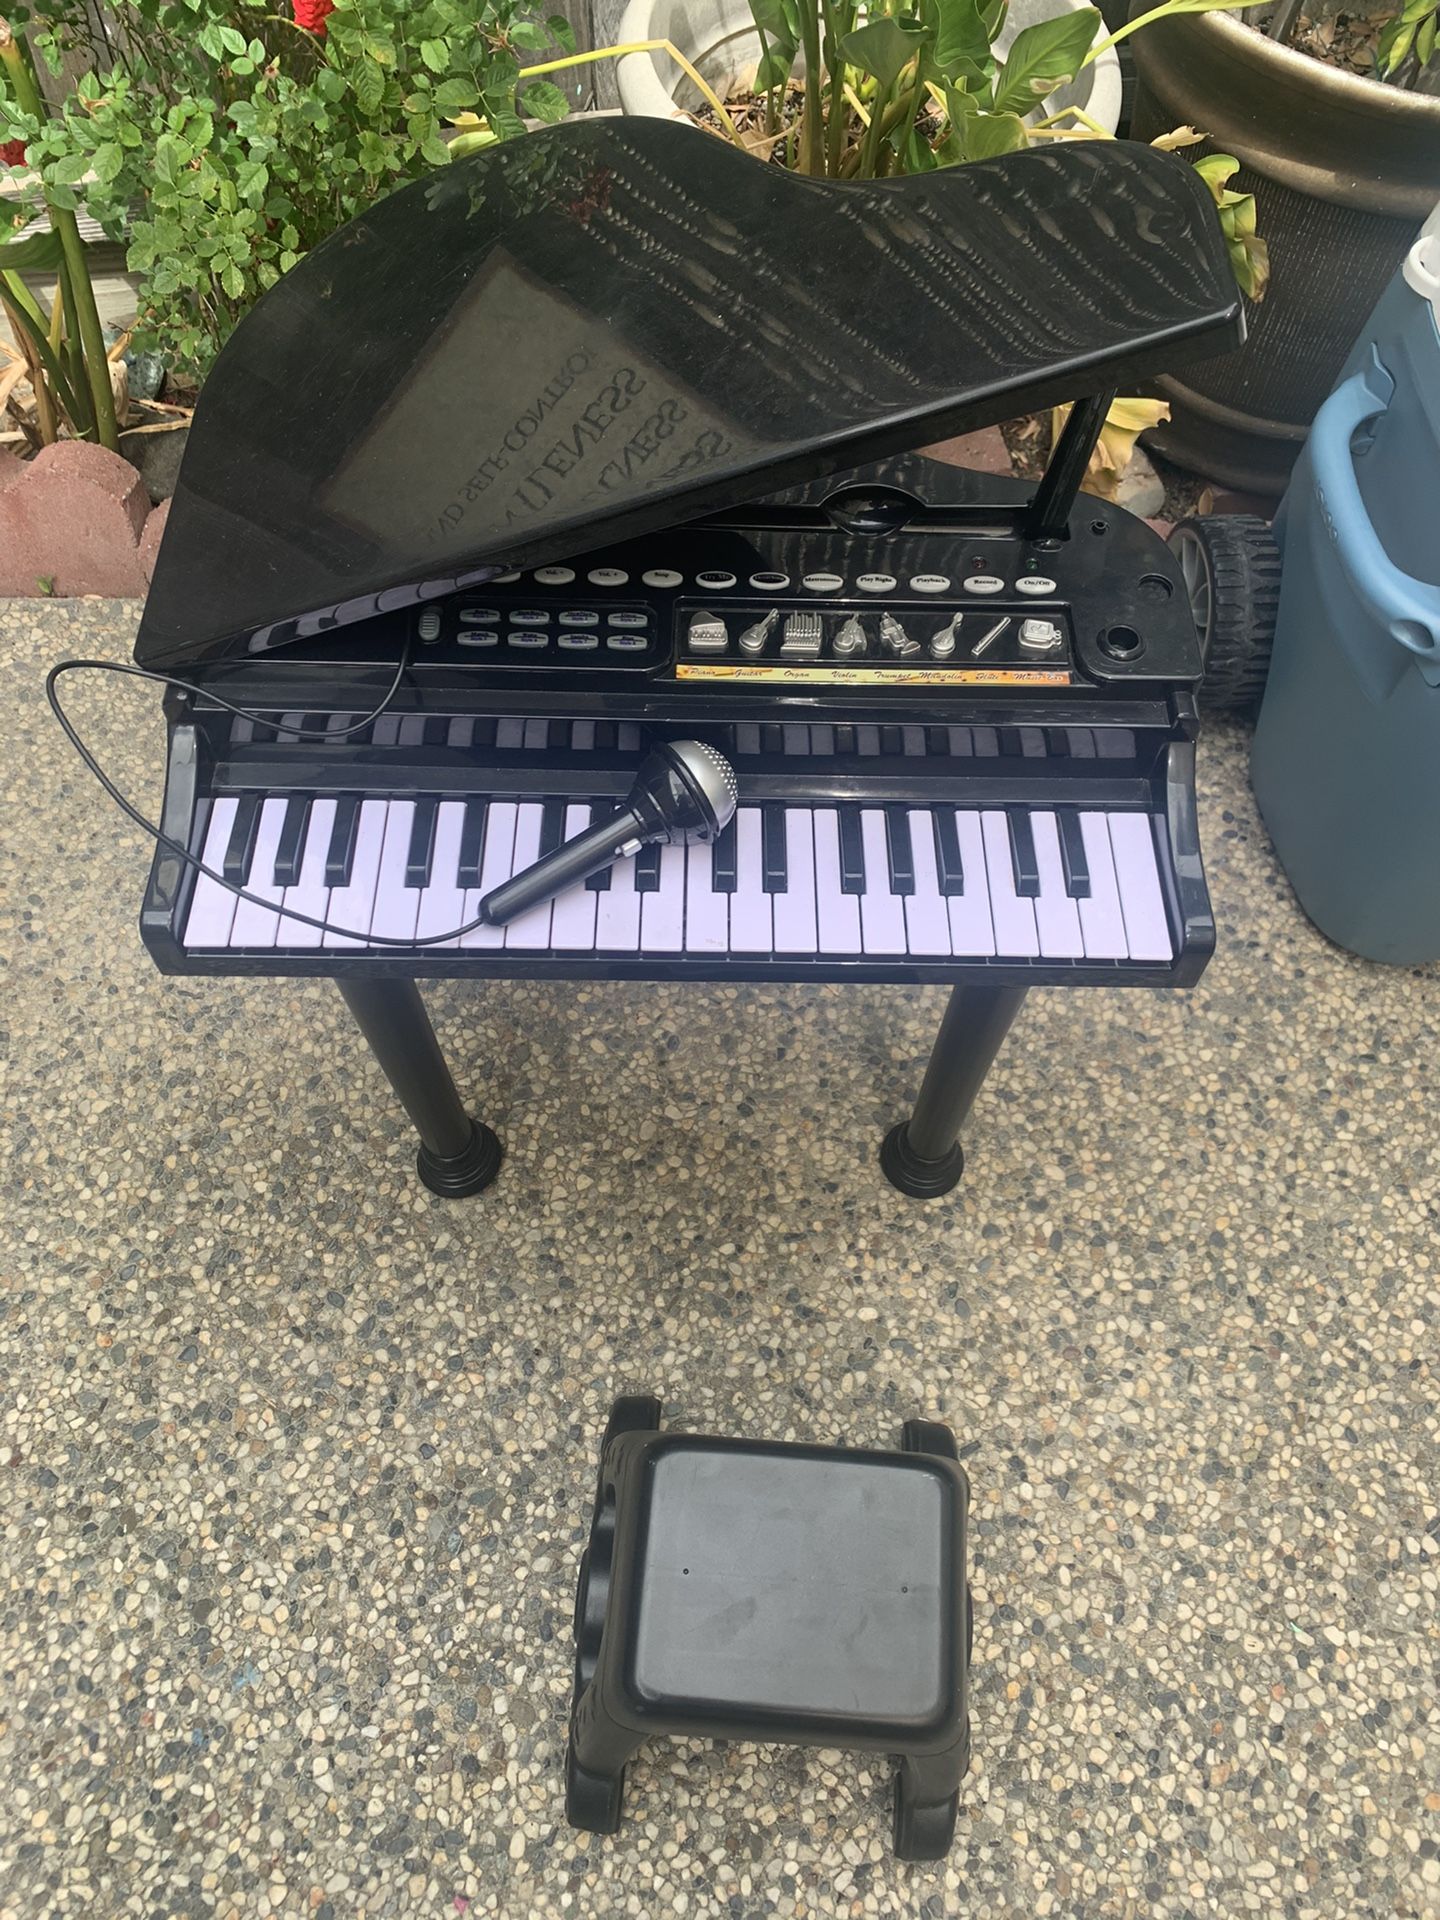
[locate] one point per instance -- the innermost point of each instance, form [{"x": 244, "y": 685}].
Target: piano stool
[{"x": 750, "y": 1590}]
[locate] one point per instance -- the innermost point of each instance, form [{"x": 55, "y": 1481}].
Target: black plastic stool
[{"x": 740, "y": 1590}]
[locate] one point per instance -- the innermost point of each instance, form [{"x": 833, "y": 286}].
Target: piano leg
[
  {"x": 922, "y": 1155},
  {"x": 457, "y": 1155}
]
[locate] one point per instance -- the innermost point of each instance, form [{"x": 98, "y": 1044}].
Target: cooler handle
[{"x": 1409, "y": 608}]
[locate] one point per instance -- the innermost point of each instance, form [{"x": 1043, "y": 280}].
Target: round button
[
  {"x": 929, "y": 583},
  {"x": 478, "y": 639},
  {"x": 1037, "y": 583},
  {"x": 627, "y": 619},
  {"x": 554, "y": 576},
  {"x": 823, "y": 582},
  {"x": 875, "y": 582},
  {"x": 984, "y": 583},
  {"x": 661, "y": 577},
  {"x": 607, "y": 576},
  {"x": 530, "y": 617},
  {"x": 580, "y": 642},
  {"x": 579, "y": 617},
  {"x": 504, "y": 579},
  {"x": 717, "y": 580},
  {"x": 429, "y": 624},
  {"x": 769, "y": 582}
]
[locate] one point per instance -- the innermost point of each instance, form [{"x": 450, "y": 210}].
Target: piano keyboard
[{"x": 1007, "y": 883}]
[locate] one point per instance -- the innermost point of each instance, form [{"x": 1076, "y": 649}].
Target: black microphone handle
[{"x": 597, "y": 847}]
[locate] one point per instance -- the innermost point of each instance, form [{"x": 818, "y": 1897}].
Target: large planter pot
[
  {"x": 718, "y": 37},
  {"x": 1343, "y": 170}
]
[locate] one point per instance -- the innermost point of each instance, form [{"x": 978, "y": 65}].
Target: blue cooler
[{"x": 1346, "y": 759}]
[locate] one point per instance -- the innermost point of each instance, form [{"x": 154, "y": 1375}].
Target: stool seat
[{"x": 750, "y": 1590}]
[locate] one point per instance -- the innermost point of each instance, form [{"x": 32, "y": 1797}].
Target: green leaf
[
  {"x": 40, "y": 253},
  {"x": 983, "y": 135},
  {"x": 435, "y": 151},
  {"x": 776, "y": 66},
  {"x": 233, "y": 39},
  {"x": 961, "y": 35},
  {"x": 232, "y": 280},
  {"x": 455, "y": 96},
  {"x": 1044, "y": 57},
  {"x": 436, "y": 55},
  {"x": 109, "y": 159},
  {"x": 884, "y": 48},
  {"x": 529, "y": 35},
  {"x": 542, "y": 101},
  {"x": 70, "y": 171},
  {"x": 561, "y": 32}
]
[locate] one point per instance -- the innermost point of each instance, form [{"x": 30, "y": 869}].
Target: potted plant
[{"x": 1343, "y": 165}]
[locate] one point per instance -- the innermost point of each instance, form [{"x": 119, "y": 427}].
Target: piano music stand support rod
[
  {"x": 1049, "y": 513},
  {"x": 922, "y": 1155},
  {"x": 457, "y": 1155}
]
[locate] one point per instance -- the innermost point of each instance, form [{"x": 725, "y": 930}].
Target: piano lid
[{"x": 590, "y": 332}]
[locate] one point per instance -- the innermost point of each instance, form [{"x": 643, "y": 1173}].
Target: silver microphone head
[{"x": 712, "y": 780}]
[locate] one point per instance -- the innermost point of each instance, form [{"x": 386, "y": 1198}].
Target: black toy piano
[{"x": 606, "y": 436}]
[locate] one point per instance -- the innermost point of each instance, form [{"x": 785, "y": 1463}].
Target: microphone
[{"x": 683, "y": 791}]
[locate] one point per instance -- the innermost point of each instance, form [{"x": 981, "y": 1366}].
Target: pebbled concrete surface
[{"x": 297, "y": 1459}]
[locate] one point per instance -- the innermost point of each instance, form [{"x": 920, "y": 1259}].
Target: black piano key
[
  {"x": 314, "y": 724},
  {"x": 241, "y": 850},
  {"x": 436, "y": 730},
  {"x": 647, "y": 868},
  {"x": 1022, "y": 854},
  {"x": 552, "y": 822},
  {"x": 950, "y": 866},
  {"x": 937, "y": 740},
  {"x": 340, "y": 854},
  {"x": 484, "y": 734},
  {"x": 844, "y": 739},
  {"x": 292, "y": 840},
  {"x": 264, "y": 733},
  {"x": 421, "y": 855},
  {"x": 772, "y": 844},
  {"x": 600, "y": 810},
  {"x": 605, "y": 736},
  {"x": 472, "y": 844},
  {"x": 1011, "y": 744},
  {"x": 724, "y": 872},
  {"x": 898, "y": 851},
  {"x": 1072, "y": 854},
  {"x": 891, "y": 740},
  {"x": 852, "y": 851},
  {"x": 772, "y": 737}
]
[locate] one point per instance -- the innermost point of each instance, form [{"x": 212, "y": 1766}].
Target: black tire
[
  {"x": 632, "y": 1413},
  {"x": 928, "y": 1436},
  {"x": 1231, "y": 566}
]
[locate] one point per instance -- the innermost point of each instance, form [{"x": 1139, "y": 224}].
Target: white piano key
[
  {"x": 254, "y": 926},
  {"x": 442, "y": 903},
  {"x": 509, "y": 734},
  {"x": 352, "y": 905},
  {"x": 1014, "y": 917},
  {"x": 927, "y": 923},
  {"x": 662, "y": 913},
  {"x": 837, "y": 913},
  {"x": 309, "y": 894},
  {"x": 496, "y": 854},
  {"x": 386, "y": 731},
  {"x": 707, "y": 913},
  {"x": 794, "y": 909},
  {"x": 867, "y": 739},
  {"x": 822, "y": 739},
  {"x": 412, "y": 730},
  {"x": 582, "y": 736},
  {"x": 212, "y": 907},
  {"x": 882, "y": 913},
  {"x": 795, "y": 739},
  {"x": 913, "y": 739},
  {"x": 751, "y": 923},
  {"x": 572, "y": 924},
  {"x": 460, "y": 733},
  {"x": 1102, "y": 924},
  {"x": 1147, "y": 930},
  {"x": 1057, "y": 923},
  {"x": 617, "y": 911},
  {"x": 627, "y": 736},
  {"x": 972, "y": 926},
  {"x": 532, "y": 929},
  {"x": 396, "y": 905},
  {"x": 747, "y": 736},
  {"x": 537, "y": 735}
]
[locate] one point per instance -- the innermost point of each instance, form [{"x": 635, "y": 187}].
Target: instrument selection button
[
  {"x": 579, "y": 642},
  {"x": 769, "y": 582},
  {"x": 1036, "y": 583},
  {"x": 530, "y": 617},
  {"x": 481, "y": 639},
  {"x": 983, "y": 583},
  {"x": 706, "y": 634},
  {"x": 526, "y": 639},
  {"x": 929, "y": 583},
  {"x": 607, "y": 576},
  {"x": 628, "y": 619},
  {"x": 715, "y": 581},
  {"x": 895, "y": 639},
  {"x": 753, "y": 639},
  {"x": 626, "y": 642},
  {"x": 801, "y": 638},
  {"x": 876, "y": 582},
  {"x": 554, "y": 576},
  {"x": 850, "y": 640},
  {"x": 578, "y": 617},
  {"x": 479, "y": 616},
  {"x": 822, "y": 582},
  {"x": 662, "y": 577},
  {"x": 428, "y": 626},
  {"x": 1041, "y": 636},
  {"x": 942, "y": 641}
]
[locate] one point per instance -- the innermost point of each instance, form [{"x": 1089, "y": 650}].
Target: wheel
[
  {"x": 632, "y": 1413},
  {"x": 1231, "y": 566},
  {"x": 924, "y": 1833},
  {"x": 928, "y": 1436},
  {"x": 592, "y": 1802}
]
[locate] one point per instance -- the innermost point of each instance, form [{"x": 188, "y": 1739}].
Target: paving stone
[
  {"x": 299, "y": 1458},
  {"x": 71, "y": 524},
  {"x": 985, "y": 451},
  {"x": 150, "y": 538}
]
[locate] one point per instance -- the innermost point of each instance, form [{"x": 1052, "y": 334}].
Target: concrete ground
[{"x": 297, "y": 1459}]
